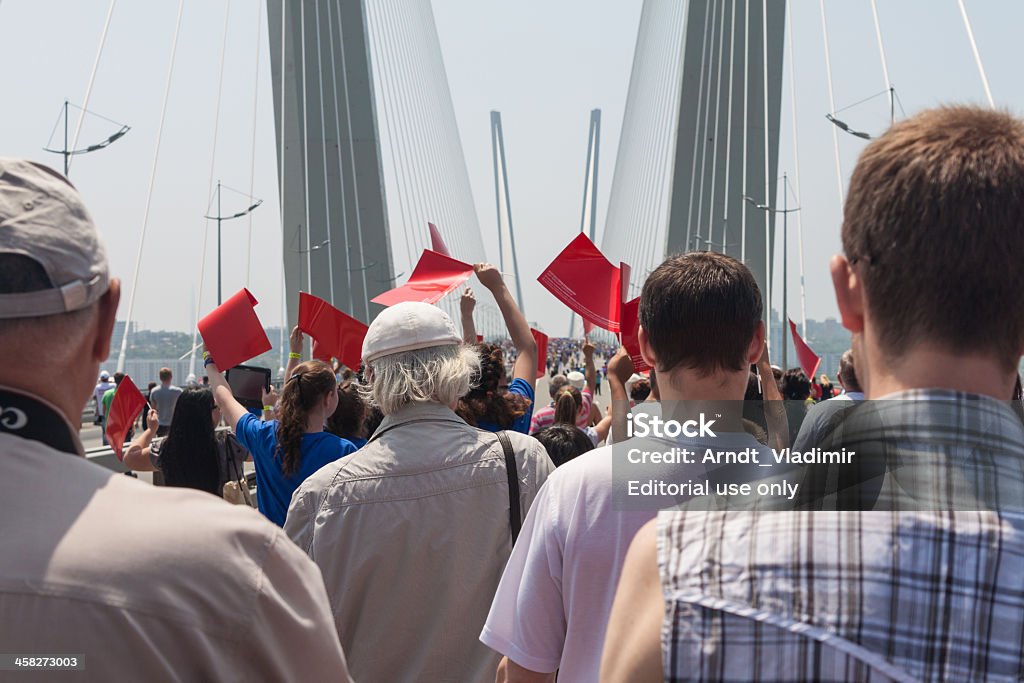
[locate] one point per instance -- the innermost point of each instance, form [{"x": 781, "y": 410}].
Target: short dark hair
[
  {"x": 564, "y": 442},
  {"x": 700, "y": 310},
  {"x": 933, "y": 214},
  {"x": 848, "y": 371},
  {"x": 640, "y": 390},
  {"x": 166, "y": 374},
  {"x": 118, "y": 376},
  {"x": 795, "y": 385}
]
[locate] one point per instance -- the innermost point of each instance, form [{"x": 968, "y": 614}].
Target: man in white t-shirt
[{"x": 551, "y": 608}]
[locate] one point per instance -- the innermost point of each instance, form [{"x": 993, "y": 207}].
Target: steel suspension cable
[
  {"x": 149, "y": 193},
  {"x": 92, "y": 80}
]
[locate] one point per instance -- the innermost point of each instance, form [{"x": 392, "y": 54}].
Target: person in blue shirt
[
  {"x": 497, "y": 403},
  {"x": 288, "y": 450}
]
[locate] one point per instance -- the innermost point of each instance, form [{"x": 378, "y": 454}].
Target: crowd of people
[{"x": 426, "y": 518}]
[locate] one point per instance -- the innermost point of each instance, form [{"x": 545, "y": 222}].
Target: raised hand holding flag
[
  {"x": 232, "y": 332},
  {"x": 127, "y": 404},
  {"x": 809, "y": 360}
]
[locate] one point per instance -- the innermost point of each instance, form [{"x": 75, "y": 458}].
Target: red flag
[
  {"x": 585, "y": 281},
  {"x": 542, "y": 351},
  {"x": 479, "y": 339},
  {"x": 628, "y": 334},
  {"x": 125, "y": 407},
  {"x": 588, "y": 327},
  {"x": 434, "y": 276},
  {"x": 436, "y": 243},
  {"x": 334, "y": 334},
  {"x": 232, "y": 332},
  {"x": 809, "y": 360}
]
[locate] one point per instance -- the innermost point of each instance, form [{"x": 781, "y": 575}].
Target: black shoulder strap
[{"x": 515, "y": 515}]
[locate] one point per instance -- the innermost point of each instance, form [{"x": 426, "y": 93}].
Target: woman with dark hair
[
  {"x": 564, "y": 442},
  {"x": 497, "y": 403},
  {"x": 294, "y": 446},
  {"x": 491, "y": 405},
  {"x": 349, "y": 419},
  {"x": 194, "y": 454}
]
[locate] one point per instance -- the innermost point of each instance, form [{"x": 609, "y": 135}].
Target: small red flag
[
  {"x": 629, "y": 334},
  {"x": 479, "y": 339},
  {"x": 436, "y": 243},
  {"x": 233, "y": 333},
  {"x": 585, "y": 281},
  {"x": 128, "y": 402},
  {"x": 334, "y": 333},
  {"x": 809, "y": 360},
  {"x": 542, "y": 351},
  {"x": 434, "y": 276},
  {"x": 588, "y": 327}
]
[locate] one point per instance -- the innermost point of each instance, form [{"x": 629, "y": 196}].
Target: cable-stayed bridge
[{"x": 366, "y": 150}]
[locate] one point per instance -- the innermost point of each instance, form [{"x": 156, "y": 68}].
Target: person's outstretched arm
[
  {"x": 466, "y": 305},
  {"x": 518, "y": 329},
  {"x": 136, "y": 458},
  {"x": 589, "y": 369},
  {"x": 294, "y": 352},
  {"x": 620, "y": 369},
  {"x": 231, "y": 409},
  {"x": 774, "y": 408}
]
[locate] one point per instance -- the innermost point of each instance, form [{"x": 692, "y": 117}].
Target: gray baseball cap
[{"x": 42, "y": 217}]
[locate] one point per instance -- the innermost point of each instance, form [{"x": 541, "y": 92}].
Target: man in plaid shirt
[{"x": 913, "y": 570}]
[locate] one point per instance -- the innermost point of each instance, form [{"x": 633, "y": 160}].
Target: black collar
[{"x": 31, "y": 418}]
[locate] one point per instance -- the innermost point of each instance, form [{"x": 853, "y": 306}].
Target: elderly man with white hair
[{"x": 413, "y": 531}]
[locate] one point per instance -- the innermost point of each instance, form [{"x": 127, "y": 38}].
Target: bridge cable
[
  {"x": 881, "y": 53},
  {"x": 796, "y": 169},
  {"x": 341, "y": 165},
  {"x": 832, "y": 104},
  {"x": 329, "y": 245},
  {"x": 649, "y": 153},
  {"x": 252, "y": 153},
  {"x": 209, "y": 185},
  {"x": 727, "y": 197},
  {"x": 769, "y": 200},
  {"x": 977, "y": 55},
  {"x": 746, "y": 120},
  {"x": 305, "y": 150},
  {"x": 149, "y": 194},
  {"x": 397, "y": 153}
]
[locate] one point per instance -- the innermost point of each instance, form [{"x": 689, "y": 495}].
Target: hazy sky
[{"x": 543, "y": 64}]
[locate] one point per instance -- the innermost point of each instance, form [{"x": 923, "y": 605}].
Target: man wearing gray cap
[
  {"x": 413, "y": 531},
  {"x": 129, "y": 581}
]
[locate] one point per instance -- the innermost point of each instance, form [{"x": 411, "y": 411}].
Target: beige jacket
[
  {"x": 151, "y": 584},
  {"x": 412, "y": 533}
]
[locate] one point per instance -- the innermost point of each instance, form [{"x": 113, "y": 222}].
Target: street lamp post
[
  {"x": 785, "y": 211},
  {"x": 67, "y": 152},
  {"x": 220, "y": 218}
]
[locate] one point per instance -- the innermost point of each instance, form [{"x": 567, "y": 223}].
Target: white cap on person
[
  {"x": 408, "y": 326},
  {"x": 42, "y": 218},
  {"x": 577, "y": 379}
]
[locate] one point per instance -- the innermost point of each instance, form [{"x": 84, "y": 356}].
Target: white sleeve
[{"x": 527, "y": 620}]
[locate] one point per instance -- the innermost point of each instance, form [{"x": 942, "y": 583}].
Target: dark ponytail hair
[
  {"x": 568, "y": 405},
  {"x": 485, "y": 403},
  {"x": 309, "y": 383},
  {"x": 188, "y": 457}
]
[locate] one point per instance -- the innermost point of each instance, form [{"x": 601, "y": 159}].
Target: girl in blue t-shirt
[{"x": 286, "y": 451}]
